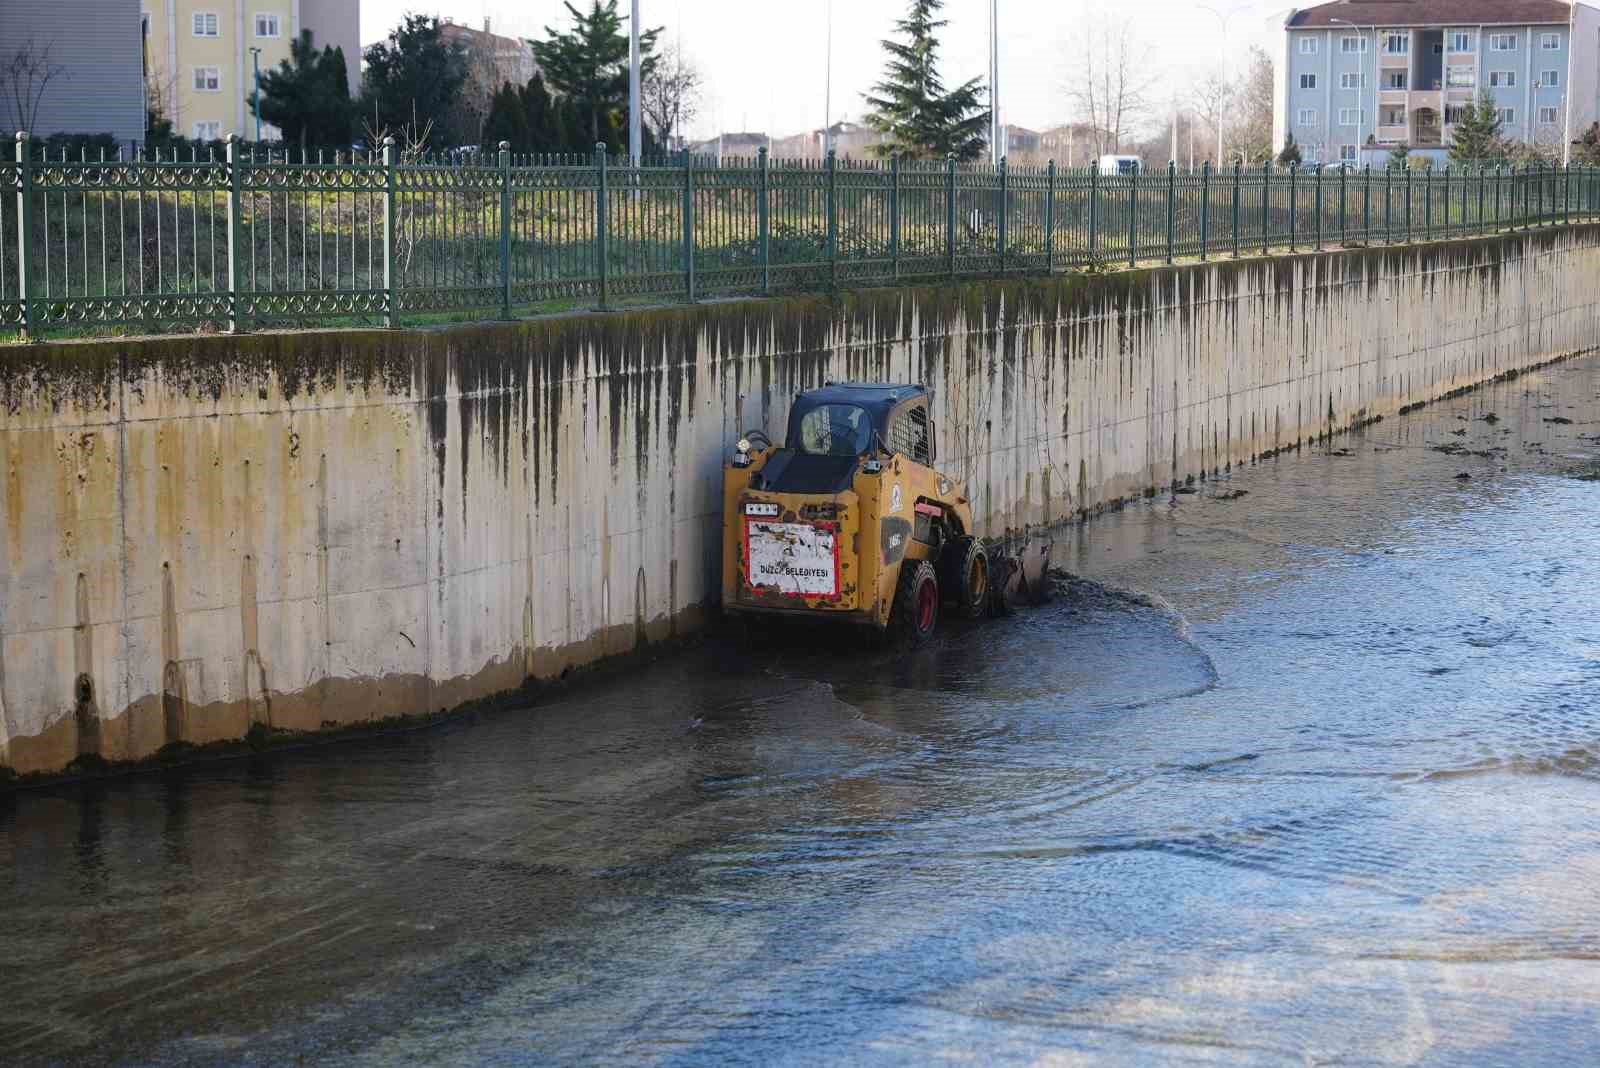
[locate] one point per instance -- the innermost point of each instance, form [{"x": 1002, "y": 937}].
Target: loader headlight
[
  {"x": 872, "y": 467},
  {"x": 743, "y": 445}
]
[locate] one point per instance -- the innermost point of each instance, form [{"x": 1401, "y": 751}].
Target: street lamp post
[
  {"x": 997, "y": 150},
  {"x": 1223, "y": 18},
  {"x": 1361, "y": 94},
  {"x": 255, "y": 101},
  {"x": 633, "y": 86}
]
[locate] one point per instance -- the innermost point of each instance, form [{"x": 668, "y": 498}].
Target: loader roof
[{"x": 878, "y": 398}]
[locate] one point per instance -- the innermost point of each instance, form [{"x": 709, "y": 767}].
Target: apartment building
[
  {"x": 92, "y": 48},
  {"x": 507, "y": 59},
  {"x": 200, "y": 55},
  {"x": 1358, "y": 77}
]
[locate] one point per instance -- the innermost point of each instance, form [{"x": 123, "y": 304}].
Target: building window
[
  {"x": 1502, "y": 79},
  {"x": 1352, "y": 81},
  {"x": 1397, "y": 44},
  {"x": 1308, "y": 81},
  {"x": 1502, "y": 42},
  {"x": 1395, "y": 79},
  {"x": 205, "y": 24},
  {"x": 1308, "y": 116},
  {"x": 207, "y": 80},
  {"x": 207, "y": 131},
  {"x": 1394, "y": 116},
  {"x": 1454, "y": 113},
  {"x": 1508, "y": 116},
  {"x": 1550, "y": 79},
  {"x": 1352, "y": 117},
  {"x": 266, "y": 25},
  {"x": 1547, "y": 116},
  {"x": 1550, "y": 42},
  {"x": 1347, "y": 153},
  {"x": 1460, "y": 42},
  {"x": 1352, "y": 44},
  {"x": 1308, "y": 46},
  {"x": 1461, "y": 77}
]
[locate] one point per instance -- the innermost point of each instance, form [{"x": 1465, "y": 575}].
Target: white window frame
[
  {"x": 1460, "y": 111},
  {"x": 1550, "y": 42},
  {"x": 1400, "y": 111},
  {"x": 1402, "y": 39},
  {"x": 1502, "y": 42},
  {"x": 207, "y": 130},
  {"x": 1388, "y": 81},
  {"x": 1353, "y": 45},
  {"x": 1352, "y": 117},
  {"x": 205, "y": 24},
  {"x": 1508, "y": 116},
  {"x": 261, "y": 16},
  {"x": 1347, "y": 153},
  {"x": 1308, "y": 81},
  {"x": 1351, "y": 80},
  {"x": 207, "y": 80},
  {"x": 1308, "y": 45},
  {"x": 1502, "y": 79},
  {"x": 1461, "y": 41},
  {"x": 1549, "y": 79},
  {"x": 1553, "y": 112},
  {"x": 1461, "y": 78},
  {"x": 1307, "y": 117}
]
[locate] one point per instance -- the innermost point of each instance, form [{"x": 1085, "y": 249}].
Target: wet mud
[{"x": 1302, "y": 766}]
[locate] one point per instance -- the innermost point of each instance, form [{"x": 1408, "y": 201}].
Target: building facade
[
  {"x": 1358, "y": 78},
  {"x": 502, "y": 59},
  {"x": 93, "y": 47},
  {"x": 200, "y": 55}
]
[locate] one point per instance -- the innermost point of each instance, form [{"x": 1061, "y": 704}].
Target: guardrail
[{"x": 163, "y": 245}]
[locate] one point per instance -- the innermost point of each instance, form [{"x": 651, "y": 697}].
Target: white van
[{"x": 1118, "y": 165}]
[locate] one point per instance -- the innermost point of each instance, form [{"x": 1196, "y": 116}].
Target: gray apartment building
[
  {"x": 1358, "y": 77},
  {"x": 92, "y": 46}
]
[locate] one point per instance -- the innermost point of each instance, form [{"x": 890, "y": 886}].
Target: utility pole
[
  {"x": 827, "y": 91},
  {"x": 255, "y": 106},
  {"x": 633, "y": 86},
  {"x": 998, "y": 150}
]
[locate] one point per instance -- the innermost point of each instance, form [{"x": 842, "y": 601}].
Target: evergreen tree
[
  {"x": 413, "y": 80},
  {"x": 308, "y": 96},
  {"x": 1290, "y": 152},
  {"x": 539, "y": 111},
  {"x": 507, "y": 121},
  {"x": 1477, "y": 136},
  {"x": 917, "y": 117},
  {"x": 1400, "y": 156},
  {"x": 589, "y": 66}
]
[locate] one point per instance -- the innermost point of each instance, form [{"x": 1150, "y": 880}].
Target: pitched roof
[{"x": 1387, "y": 13}]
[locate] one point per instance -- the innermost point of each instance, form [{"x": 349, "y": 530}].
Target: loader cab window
[
  {"x": 835, "y": 430},
  {"x": 911, "y": 434}
]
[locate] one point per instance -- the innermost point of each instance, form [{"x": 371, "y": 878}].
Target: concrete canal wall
[{"x": 298, "y": 531}]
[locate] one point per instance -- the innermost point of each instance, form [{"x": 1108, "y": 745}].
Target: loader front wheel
[
  {"x": 916, "y": 605},
  {"x": 965, "y": 575}
]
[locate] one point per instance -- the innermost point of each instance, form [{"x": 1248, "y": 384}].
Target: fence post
[
  {"x": 1266, "y": 204},
  {"x": 950, "y": 212},
  {"x": 894, "y": 216},
  {"x": 833, "y": 223},
  {"x": 1566, "y": 192},
  {"x": 25, "y": 230},
  {"x": 1388, "y": 205},
  {"x": 1294, "y": 201},
  {"x": 505, "y": 229},
  {"x": 1427, "y": 203},
  {"x": 764, "y": 215},
  {"x": 235, "y": 245},
  {"x": 1238, "y": 177},
  {"x": 1344, "y": 207},
  {"x": 1050, "y": 217},
  {"x": 1205, "y": 209},
  {"x": 1481, "y": 178},
  {"x": 391, "y": 288},
  {"x": 1172, "y": 204},
  {"x": 1366, "y": 210},
  {"x": 688, "y": 225},
  {"x": 1317, "y": 205},
  {"x": 600, "y": 221},
  {"x": 1005, "y": 210},
  {"x": 1527, "y": 197},
  {"x": 1094, "y": 213},
  {"x": 1133, "y": 217}
]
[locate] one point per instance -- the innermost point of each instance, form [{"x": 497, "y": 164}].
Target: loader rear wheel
[
  {"x": 965, "y": 574},
  {"x": 916, "y": 605}
]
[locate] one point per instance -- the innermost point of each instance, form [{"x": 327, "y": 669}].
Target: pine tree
[
  {"x": 413, "y": 80},
  {"x": 507, "y": 121},
  {"x": 1290, "y": 153},
  {"x": 538, "y": 110},
  {"x": 917, "y": 117},
  {"x": 589, "y": 66},
  {"x": 308, "y": 96},
  {"x": 1477, "y": 139}
]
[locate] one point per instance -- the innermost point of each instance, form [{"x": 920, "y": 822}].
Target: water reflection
[{"x": 1307, "y": 773}]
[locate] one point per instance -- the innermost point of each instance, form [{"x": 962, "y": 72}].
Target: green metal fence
[{"x": 239, "y": 240}]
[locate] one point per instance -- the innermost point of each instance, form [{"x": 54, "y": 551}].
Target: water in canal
[{"x": 1305, "y": 775}]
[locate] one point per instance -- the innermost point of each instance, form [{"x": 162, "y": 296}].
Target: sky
[{"x": 764, "y": 61}]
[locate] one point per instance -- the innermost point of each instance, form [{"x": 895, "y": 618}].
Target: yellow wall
[{"x": 173, "y": 57}]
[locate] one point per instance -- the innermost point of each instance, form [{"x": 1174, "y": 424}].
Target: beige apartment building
[{"x": 200, "y": 54}]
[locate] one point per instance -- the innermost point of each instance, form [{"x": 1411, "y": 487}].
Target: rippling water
[{"x": 1306, "y": 775}]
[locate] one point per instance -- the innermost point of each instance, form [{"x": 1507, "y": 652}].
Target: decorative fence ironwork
[{"x": 238, "y": 241}]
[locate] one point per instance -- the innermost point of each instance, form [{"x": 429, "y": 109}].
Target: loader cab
[{"x": 833, "y": 429}]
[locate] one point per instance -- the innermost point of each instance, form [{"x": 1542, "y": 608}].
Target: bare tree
[
  {"x": 1114, "y": 86},
  {"x": 28, "y": 73},
  {"x": 670, "y": 99},
  {"x": 1251, "y": 140},
  {"x": 1214, "y": 101}
]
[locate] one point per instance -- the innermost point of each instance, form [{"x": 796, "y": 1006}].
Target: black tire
[
  {"x": 964, "y": 574},
  {"x": 915, "y": 613}
]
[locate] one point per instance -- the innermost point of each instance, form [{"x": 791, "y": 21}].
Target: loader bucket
[{"x": 1020, "y": 571}]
